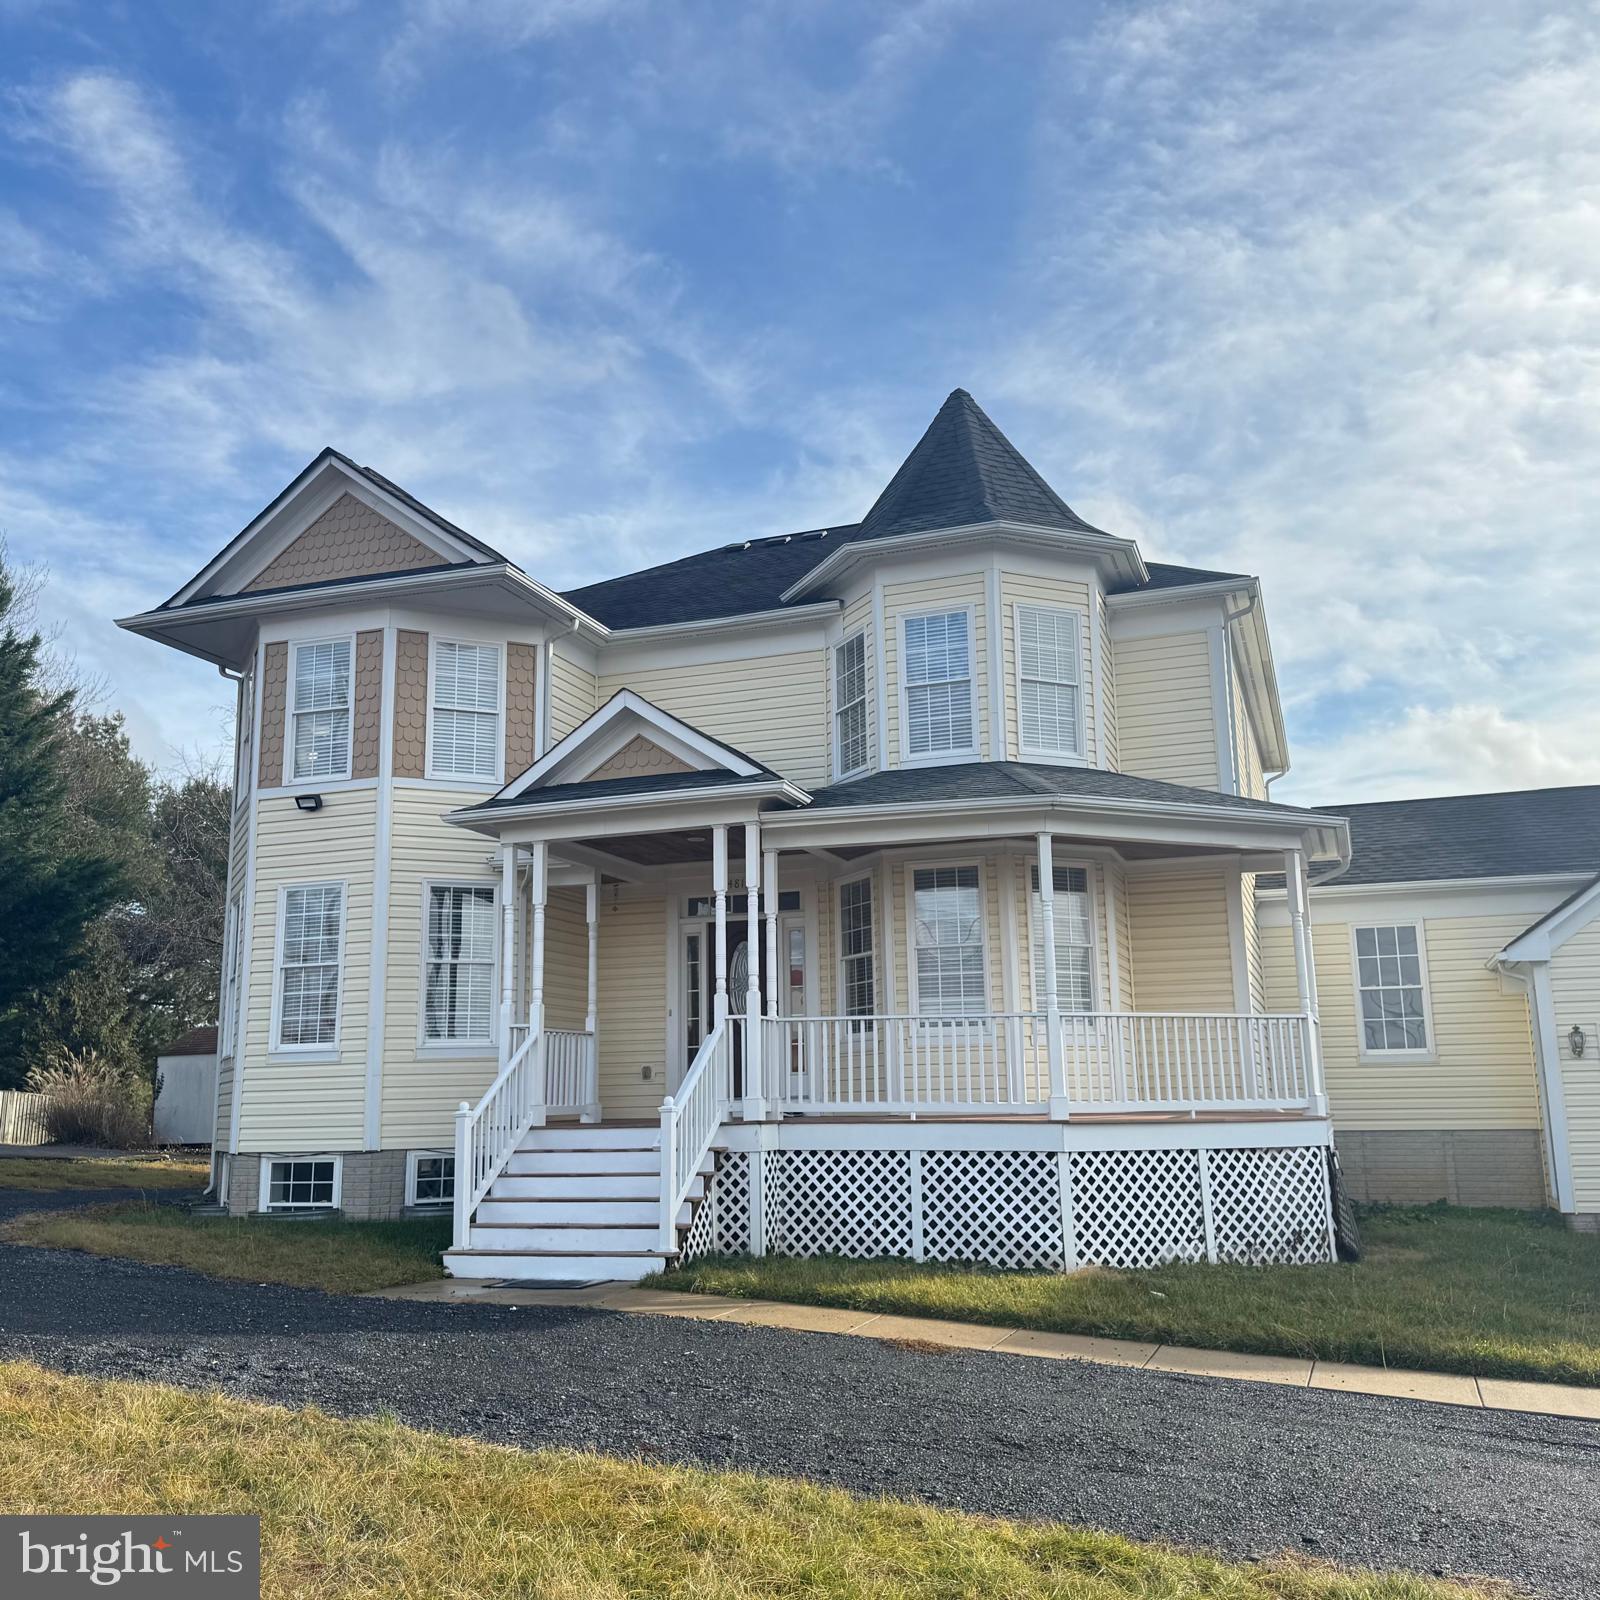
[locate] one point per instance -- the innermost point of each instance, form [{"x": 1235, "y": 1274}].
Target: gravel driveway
[{"x": 1246, "y": 1469}]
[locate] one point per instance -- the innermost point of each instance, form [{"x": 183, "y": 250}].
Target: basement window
[
  {"x": 300, "y": 1183},
  {"x": 430, "y": 1178}
]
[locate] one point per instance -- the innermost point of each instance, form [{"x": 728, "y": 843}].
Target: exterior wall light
[
  {"x": 1575, "y": 1040},
  {"x": 308, "y": 802}
]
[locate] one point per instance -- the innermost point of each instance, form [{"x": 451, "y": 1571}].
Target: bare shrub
[{"x": 90, "y": 1100}]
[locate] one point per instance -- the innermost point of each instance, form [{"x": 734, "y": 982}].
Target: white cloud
[
  {"x": 1328, "y": 306},
  {"x": 1462, "y": 749}
]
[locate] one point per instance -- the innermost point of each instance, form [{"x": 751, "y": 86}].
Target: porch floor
[{"x": 1004, "y": 1118}]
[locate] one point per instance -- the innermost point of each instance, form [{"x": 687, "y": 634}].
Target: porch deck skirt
[{"x": 1049, "y": 1196}]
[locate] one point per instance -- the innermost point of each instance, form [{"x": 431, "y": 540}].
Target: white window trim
[
  {"x": 264, "y": 1186},
  {"x": 232, "y": 978},
  {"x": 467, "y": 779},
  {"x": 870, "y": 879},
  {"x": 290, "y": 781},
  {"x": 1031, "y": 866},
  {"x": 1430, "y": 1053},
  {"x": 911, "y": 869},
  {"x": 840, "y": 772},
  {"x": 309, "y": 1052},
  {"x": 464, "y": 1049},
  {"x": 1073, "y": 758},
  {"x": 939, "y": 758},
  {"x": 412, "y": 1158}
]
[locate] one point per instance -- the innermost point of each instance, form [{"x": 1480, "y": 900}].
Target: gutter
[{"x": 771, "y": 789}]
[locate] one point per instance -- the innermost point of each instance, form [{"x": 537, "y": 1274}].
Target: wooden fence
[{"x": 22, "y": 1117}]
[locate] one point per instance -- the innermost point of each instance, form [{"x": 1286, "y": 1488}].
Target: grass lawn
[
  {"x": 375, "y": 1509},
  {"x": 1490, "y": 1293},
  {"x": 58, "y": 1172},
  {"x": 344, "y": 1257}
]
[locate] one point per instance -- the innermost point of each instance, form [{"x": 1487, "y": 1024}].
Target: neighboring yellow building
[{"x": 1454, "y": 961}]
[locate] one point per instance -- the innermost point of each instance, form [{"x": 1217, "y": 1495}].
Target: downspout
[
  {"x": 1248, "y": 609},
  {"x": 237, "y": 679},
  {"x": 542, "y": 740}
]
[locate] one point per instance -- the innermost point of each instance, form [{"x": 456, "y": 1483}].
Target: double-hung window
[
  {"x": 458, "y": 1000},
  {"x": 1049, "y": 682},
  {"x": 857, "y": 977},
  {"x": 937, "y": 672},
  {"x": 1074, "y": 928},
  {"x": 947, "y": 930},
  {"x": 319, "y": 714},
  {"x": 465, "y": 715},
  {"x": 309, "y": 961},
  {"x": 850, "y": 705},
  {"x": 1391, "y": 989}
]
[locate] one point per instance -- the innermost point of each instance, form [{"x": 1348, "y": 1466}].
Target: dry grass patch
[
  {"x": 1503, "y": 1294},
  {"x": 342, "y": 1257},
  {"x": 47, "y": 1173},
  {"x": 367, "y": 1509}
]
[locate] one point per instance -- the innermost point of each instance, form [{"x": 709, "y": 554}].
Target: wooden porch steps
[{"x": 575, "y": 1202}]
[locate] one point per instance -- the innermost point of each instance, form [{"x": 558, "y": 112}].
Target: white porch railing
[
  {"x": 689, "y": 1122},
  {"x": 571, "y": 1073},
  {"x": 993, "y": 1064},
  {"x": 488, "y": 1132},
  {"x": 1187, "y": 1061},
  {"x": 901, "y": 1065}
]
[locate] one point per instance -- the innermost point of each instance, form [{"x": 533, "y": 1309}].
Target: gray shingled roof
[
  {"x": 993, "y": 780},
  {"x": 964, "y": 470},
  {"x": 1513, "y": 834},
  {"x": 616, "y": 788}
]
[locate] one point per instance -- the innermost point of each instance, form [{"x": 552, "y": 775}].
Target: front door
[{"x": 699, "y": 957}]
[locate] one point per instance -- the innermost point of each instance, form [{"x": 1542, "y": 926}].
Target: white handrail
[
  {"x": 488, "y": 1132},
  {"x": 689, "y": 1122}
]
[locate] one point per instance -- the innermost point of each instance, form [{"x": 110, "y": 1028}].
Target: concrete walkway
[{"x": 1441, "y": 1388}]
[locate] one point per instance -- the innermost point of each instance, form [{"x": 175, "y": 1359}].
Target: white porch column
[
  {"x": 1060, "y": 1108},
  {"x": 755, "y": 1086},
  {"x": 539, "y": 893},
  {"x": 508, "y": 946},
  {"x": 591, "y": 1011},
  {"x": 1305, "y": 974},
  {"x": 719, "y": 907}
]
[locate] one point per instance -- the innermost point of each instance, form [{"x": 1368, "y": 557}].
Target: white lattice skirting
[{"x": 1022, "y": 1208}]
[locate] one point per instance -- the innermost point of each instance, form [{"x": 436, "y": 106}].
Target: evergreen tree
[{"x": 53, "y": 882}]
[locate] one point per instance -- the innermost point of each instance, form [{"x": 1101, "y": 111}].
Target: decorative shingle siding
[
  {"x": 636, "y": 758},
  {"x": 366, "y": 727},
  {"x": 410, "y": 704},
  {"x": 349, "y": 540},
  {"x": 274, "y": 690},
  {"x": 521, "y": 687}
]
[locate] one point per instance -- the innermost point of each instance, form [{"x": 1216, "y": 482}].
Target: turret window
[
  {"x": 937, "y": 674},
  {"x": 1049, "y": 682},
  {"x": 850, "y": 706}
]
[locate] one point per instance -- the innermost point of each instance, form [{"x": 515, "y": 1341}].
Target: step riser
[
  {"x": 531, "y": 1163},
  {"x": 567, "y": 1137},
  {"x": 548, "y": 1269},
  {"x": 584, "y": 1213},
  {"x": 602, "y": 1241},
  {"x": 582, "y": 1186}
]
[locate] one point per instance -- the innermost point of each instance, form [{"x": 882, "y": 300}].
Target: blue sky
[{"x": 1311, "y": 292}]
